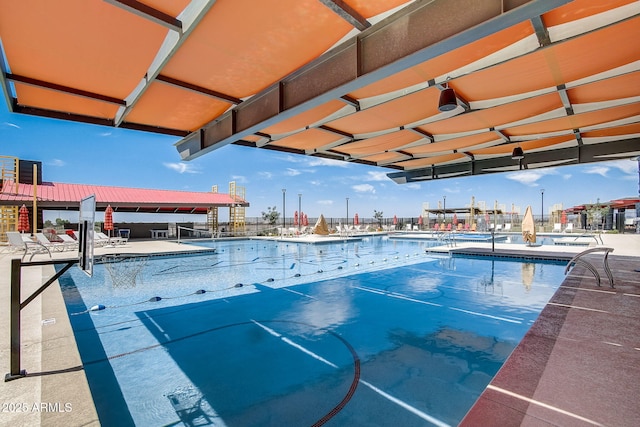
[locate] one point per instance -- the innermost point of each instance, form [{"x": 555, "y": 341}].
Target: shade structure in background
[
  {"x": 528, "y": 227},
  {"x": 23, "y": 219},
  {"x": 356, "y": 220},
  {"x": 321, "y": 226},
  {"x": 108, "y": 219}
]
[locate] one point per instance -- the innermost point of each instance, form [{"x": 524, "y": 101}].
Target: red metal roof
[{"x": 61, "y": 196}]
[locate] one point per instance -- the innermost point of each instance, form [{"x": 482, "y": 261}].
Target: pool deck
[{"x": 578, "y": 365}]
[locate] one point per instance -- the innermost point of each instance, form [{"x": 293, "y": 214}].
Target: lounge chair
[
  {"x": 557, "y": 227},
  {"x": 498, "y": 227},
  {"x": 466, "y": 227},
  {"x": 103, "y": 240},
  {"x": 44, "y": 241},
  {"x": 449, "y": 227},
  {"x": 473, "y": 227},
  {"x": 69, "y": 241},
  {"x": 569, "y": 228},
  {"x": 21, "y": 242},
  {"x": 460, "y": 226},
  {"x": 507, "y": 227}
]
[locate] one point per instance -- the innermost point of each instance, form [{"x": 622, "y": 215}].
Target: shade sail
[{"x": 349, "y": 80}]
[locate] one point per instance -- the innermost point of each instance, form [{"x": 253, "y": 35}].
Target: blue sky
[{"x": 79, "y": 153}]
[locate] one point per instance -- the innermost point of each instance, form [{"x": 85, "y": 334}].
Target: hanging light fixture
[
  {"x": 448, "y": 100},
  {"x": 517, "y": 154}
]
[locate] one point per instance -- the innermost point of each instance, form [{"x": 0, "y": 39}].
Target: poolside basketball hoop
[{"x": 124, "y": 271}]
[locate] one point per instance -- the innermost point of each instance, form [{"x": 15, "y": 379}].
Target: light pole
[
  {"x": 284, "y": 224},
  {"x": 542, "y": 208},
  {"x": 444, "y": 209},
  {"x": 347, "y": 222},
  {"x": 299, "y": 211}
]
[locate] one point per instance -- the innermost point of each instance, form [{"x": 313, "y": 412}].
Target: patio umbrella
[
  {"x": 528, "y": 227},
  {"x": 306, "y": 220},
  {"x": 295, "y": 218},
  {"x": 563, "y": 218},
  {"x": 420, "y": 220},
  {"x": 455, "y": 219},
  {"x": 395, "y": 220},
  {"x": 108, "y": 219},
  {"x": 23, "y": 219},
  {"x": 356, "y": 220}
]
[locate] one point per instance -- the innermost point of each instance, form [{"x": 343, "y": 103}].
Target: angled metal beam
[
  {"x": 65, "y": 89},
  {"x": 564, "y": 96},
  {"x": 412, "y": 36},
  {"x": 422, "y": 133},
  {"x": 198, "y": 89},
  {"x": 502, "y": 136},
  {"x": 346, "y": 12},
  {"x": 149, "y": 13},
  {"x": 541, "y": 31},
  {"x": 191, "y": 16},
  {"x": 351, "y": 101},
  {"x": 336, "y": 131}
]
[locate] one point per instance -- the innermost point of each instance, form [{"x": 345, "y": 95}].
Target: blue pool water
[{"x": 372, "y": 332}]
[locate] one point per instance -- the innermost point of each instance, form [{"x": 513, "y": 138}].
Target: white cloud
[
  {"x": 452, "y": 190},
  {"x": 13, "y": 125},
  {"x": 292, "y": 172},
  {"x": 376, "y": 176},
  {"x": 325, "y": 202},
  {"x": 626, "y": 166},
  {"x": 412, "y": 186},
  {"x": 105, "y": 134},
  {"x": 265, "y": 175},
  {"x": 319, "y": 161},
  {"x": 315, "y": 182},
  {"x": 56, "y": 162},
  {"x": 566, "y": 176},
  {"x": 597, "y": 170},
  {"x": 182, "y": 167},
  {"x": 529, "y": 177},
  {"x": 239, "y": 178},
  {"x": 364, "y": 188}
]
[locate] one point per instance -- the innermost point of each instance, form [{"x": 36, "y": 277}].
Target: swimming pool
[{"x": 370, "y": 332}]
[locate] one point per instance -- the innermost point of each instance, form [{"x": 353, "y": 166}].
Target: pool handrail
[{"x": 578, "y": 259}]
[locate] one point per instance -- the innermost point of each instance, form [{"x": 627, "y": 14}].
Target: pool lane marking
[
  {"x": 543, "y": 405},
  {"x": 150, "y": 319},
  {"x": 475, "y": 313},
  {"x": 295, "y": 345},
  {"x": 404, "y": 297},
  {"x": 298, "y": 293},
  {"x": 405, "y": 405},
  {"x": 387, "y": 396}
]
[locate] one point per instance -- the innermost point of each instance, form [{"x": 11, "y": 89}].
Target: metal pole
[
  {"x": 299, "y": 211},
  {"x": 284, "y": 223},
  {"x": 444, "y": 209},
  {"x": 542, "y": 208},
  {"x": 15, "y": 371},
  {"x": 347, "y": 221}
]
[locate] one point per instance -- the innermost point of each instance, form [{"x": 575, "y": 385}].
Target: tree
[
  {"x": 271, "y": 215},
  {"x": 378, "y": 215}
]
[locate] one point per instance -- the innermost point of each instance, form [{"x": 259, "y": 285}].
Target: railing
[
  {"x": 447, "y": 237},
  {"x": 578, "y": 260}
]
